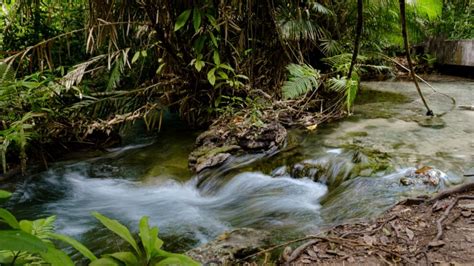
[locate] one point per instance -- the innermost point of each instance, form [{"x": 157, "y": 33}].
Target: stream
[{"x": 340, "y": 172}]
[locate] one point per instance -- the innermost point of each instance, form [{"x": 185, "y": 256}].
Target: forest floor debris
[{"x": 415, "y": 231}]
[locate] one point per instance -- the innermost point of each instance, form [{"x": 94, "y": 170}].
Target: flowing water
[{"x": 347, "y": 170}]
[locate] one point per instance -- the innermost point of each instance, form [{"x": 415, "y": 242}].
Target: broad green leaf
[
  {"x": 6, "y": 256},
  {"x": 160, "y": 68},
  {"x": 4, "y": 196},
  {"x": 183, "y": 259},
  {"x": 216, "y": 58},
  {"x": 20, "y": 241},
  {"x": 158, "y": 243},
  {"x": 199, "y": 64},
  {"x": 211, "y": 76},
  {"x": 196, "y": 19},
  {"x": 144, "y": 53},
  {"x": 8, "y": 218},
  {"x": 226, "y": 66},
  {"x": 135, "y": 57},
  {"x": 75, "y": 244},
  {"x": 56, "y": 257},
  {"x": 351, "y": 93},
  {"x": 223, "y": 75},
  {"x": 147, "y": 239},
  {"x": 182, "y": 19},
  {"x": 169, "y": 261},
  {"x": 104, "y": 262},
  {"x": 213, "y": 39},
  {"x": 242, "y": 77},
  {"x": 126, "y": 257},
  {"x": 26, "y": 226},
  {"x": 117, "y": 228}
]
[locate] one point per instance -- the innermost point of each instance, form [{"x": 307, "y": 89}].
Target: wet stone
[{"x": 231, "y": 246}]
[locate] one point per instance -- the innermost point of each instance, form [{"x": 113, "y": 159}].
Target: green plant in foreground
[{"x": 30, "y": 242}]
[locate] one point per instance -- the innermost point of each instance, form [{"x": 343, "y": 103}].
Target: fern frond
[
  {"x": 348, "y": 87},
  {"x": 7, "y": 74},
  {"x": 337, "y": 84},
  {"x": 301, "y": 79}
]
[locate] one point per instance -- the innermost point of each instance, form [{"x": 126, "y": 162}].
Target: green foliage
[
  {"x": 301, "y": 79},
  {"x": 456, "y": 22},
  {"x": 29, "y": 242},
  {"x": 182, "y": 19},
  {"x": 4, "y": 196},
  {"x": 149, "y": 252},
  {"x": 297, "y": 21},
  {"x": 117, "y": 228},
  {"x": 348, "y": 87}
]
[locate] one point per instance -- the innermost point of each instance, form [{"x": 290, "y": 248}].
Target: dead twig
[
  {"x": 439, "y": 222},
  {"x": 297, "y": 252},
  {"x": 278, "y": 246}
]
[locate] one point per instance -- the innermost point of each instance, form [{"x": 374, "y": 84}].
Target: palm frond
[
  {"x": 330, "y": 47},
  {"x": 75, "y": 76},
  {"x": 302, "y": 79},
  {"x": 296, "y": 23}
]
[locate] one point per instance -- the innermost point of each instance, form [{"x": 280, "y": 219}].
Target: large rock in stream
[
  {"x": 231, "y": 246},
  {"x": 232, "y": 137}
]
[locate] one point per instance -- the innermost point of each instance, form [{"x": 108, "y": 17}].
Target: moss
[
  {"x": 357, "y": 134},
  {"x": 366, "y": 95},
  {"x": 211, "y": 151}
]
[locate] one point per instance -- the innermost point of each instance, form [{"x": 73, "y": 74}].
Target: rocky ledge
[{"x": 234, "y": 136}]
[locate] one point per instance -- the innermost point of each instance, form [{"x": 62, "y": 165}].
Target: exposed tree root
[
  {"x": 440, "y": 221},
  {"x": 448, "y": 192}
]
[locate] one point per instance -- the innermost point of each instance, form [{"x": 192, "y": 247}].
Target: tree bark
[{"x": 429, "y": 112}]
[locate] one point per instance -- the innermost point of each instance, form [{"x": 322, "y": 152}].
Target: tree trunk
[
  {"x": 360, "y": 19},
  {"x": 429, "y": 112}
]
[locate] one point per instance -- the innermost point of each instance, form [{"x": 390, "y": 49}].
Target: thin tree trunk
[
  {"x": 429, "y": 112},
  {"x": 360, "y": 19}
]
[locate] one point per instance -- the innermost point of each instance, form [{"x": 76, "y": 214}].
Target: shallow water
[{"x": 280, "y": 194}]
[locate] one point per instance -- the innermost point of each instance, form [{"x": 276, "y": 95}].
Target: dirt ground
[{"x": 417, "y": 231}]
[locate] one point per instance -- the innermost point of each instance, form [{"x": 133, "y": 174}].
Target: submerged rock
[
  {"x": 227, "y": 138},
  {"x": 229, "y": 247},
  {"x": 425, "y": 175}
]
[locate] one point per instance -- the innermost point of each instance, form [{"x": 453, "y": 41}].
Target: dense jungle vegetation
[{"x": 75, "y": 73}]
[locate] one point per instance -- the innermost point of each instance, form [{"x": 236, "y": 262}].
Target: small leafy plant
[{"x": 31, "y": 242}]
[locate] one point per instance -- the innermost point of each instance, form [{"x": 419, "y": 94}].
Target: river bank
[{"x": 417, "y": 231}]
